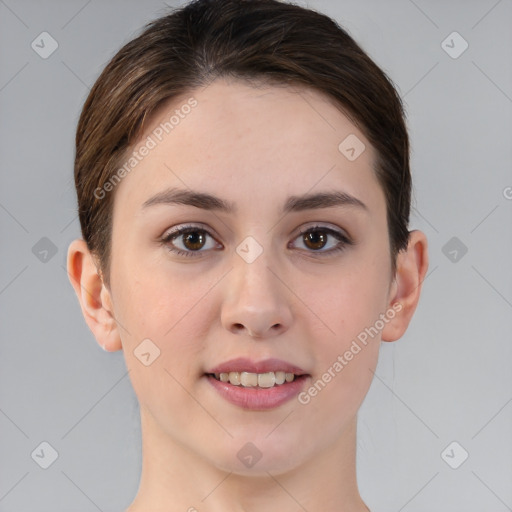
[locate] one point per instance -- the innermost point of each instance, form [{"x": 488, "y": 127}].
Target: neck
[{"x": 174, "y": 478}]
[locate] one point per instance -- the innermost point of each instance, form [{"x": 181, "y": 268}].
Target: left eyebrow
[
  {"x": 293, "y": 203},
  {"x": 322, "y": 200}
]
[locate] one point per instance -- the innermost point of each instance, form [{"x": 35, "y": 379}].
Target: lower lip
[{"x": 258, "y": 399}]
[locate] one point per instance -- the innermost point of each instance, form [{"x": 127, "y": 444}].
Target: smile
[{"x": 249, "y": 380}]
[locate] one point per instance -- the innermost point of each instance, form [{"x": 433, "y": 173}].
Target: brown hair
[{"x": 250, "y": 39}]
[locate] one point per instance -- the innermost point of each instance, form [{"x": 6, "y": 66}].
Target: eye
[
  {"x": 316, "y": 238},
  {"x": 187, "y": 240},
  {"x": 190, "y": 240}
]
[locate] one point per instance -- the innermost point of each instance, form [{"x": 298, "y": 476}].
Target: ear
[
  {"x": 94, "y": 297},
  {"x": 412, "y": 265}
]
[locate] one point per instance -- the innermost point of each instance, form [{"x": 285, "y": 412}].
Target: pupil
[
  {"x": 316, "y": 237},
  {"x": 194, "y": 239}
]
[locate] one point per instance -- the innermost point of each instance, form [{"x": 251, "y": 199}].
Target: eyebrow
[{"x": 293, "y": 203}]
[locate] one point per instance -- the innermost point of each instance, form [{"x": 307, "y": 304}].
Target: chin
[{"x": 259, "y": 455}]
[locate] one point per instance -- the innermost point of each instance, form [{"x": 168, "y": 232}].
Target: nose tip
[
  {"x": 257, "y": 333},
  {"x": 256, "y": 303}
]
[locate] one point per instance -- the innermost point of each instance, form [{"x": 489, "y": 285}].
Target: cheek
[
  {"x": 172, "y": 310},
  {"x": 347, "y": 353},
  {"x": 348, "y": 303}
]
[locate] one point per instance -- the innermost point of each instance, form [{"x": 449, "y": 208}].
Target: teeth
[
  {"x": 280, "y": 377},
  {"x": 249, "y": 380},
  {"x": 234, "y": 378}
]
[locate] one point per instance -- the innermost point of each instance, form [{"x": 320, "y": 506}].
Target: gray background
[{"x": 448, "y": 379}]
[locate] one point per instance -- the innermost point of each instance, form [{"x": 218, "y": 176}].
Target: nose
[{"x": 256, "y": 301}]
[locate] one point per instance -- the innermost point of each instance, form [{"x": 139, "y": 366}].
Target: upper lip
[{"x": 243, "y": 364}]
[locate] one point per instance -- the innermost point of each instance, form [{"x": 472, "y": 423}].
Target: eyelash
[{"x": 186, "y": 229}]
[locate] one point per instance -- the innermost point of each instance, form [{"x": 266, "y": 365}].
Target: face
[{"x": 261, "y": 273}]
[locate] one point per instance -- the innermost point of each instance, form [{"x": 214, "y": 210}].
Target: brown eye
[
  {"x": 194, "y": 240},
  {"x": 189, "y": 241},
  {"x": 315, "y": 240}
]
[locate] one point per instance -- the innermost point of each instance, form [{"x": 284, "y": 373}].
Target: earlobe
[
  {"x": 94, "y": 298},
  {"x": 412, "y": 265}
]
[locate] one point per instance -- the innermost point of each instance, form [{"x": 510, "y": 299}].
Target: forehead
[{"x": 233, "y": 138}]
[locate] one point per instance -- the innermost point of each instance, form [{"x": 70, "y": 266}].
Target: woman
[{"x": 243, "y": 182}]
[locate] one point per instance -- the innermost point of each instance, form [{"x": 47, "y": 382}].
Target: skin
[{"x": 253, "y": 147}]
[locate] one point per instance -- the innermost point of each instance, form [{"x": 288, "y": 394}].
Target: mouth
[
  {"x": 257, "y": 385},
  {"x": 256, "y": 380}
]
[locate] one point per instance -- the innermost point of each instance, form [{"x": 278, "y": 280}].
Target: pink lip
[
  {"x": 242, "y": 364},
  {"x": 258, "y": 399}
]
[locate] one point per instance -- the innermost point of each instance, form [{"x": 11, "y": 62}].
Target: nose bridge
[{"x": 255, "y": 302}]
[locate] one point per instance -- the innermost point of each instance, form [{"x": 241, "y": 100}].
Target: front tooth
[
  {"x": 266, "y": 380},
  {"x": 289, "y": 377},
  {"x": 234, "y": 378},
  {"x": 280, "y": 378},
  {"x": 224, "y": 377},
  {"x": 248, "y": 379}
]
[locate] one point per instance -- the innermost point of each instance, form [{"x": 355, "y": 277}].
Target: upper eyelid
[
  {"x": 179, "y": 231},
  {"x": 309, "y": 226}
]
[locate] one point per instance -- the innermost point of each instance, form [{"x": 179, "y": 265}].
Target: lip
[
  {"x": 255, "y": 398},
  {"x": 243, "y": 364},
  {"x": 259, "y": 399}
]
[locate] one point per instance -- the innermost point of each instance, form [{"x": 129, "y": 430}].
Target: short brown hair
[{"x": 250, "y": 39}]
